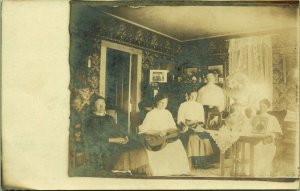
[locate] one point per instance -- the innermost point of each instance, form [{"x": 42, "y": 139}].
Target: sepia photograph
[
  {"x": 118, "y": 51},
  {"x": 214, "y": 121},
  {"x": 150, "y": 95}
]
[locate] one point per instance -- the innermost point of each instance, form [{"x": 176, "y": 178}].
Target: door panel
[
  {"x": 134, "y": 117},
  {"x": 117, "y": 84}
]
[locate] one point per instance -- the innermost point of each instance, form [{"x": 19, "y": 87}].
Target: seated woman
[
  {"x": 172, "y": 159},
  {"x": 265, "y": 150},
  {"x": 191, "y": 115},
  {"x": 103, "y": 140}
]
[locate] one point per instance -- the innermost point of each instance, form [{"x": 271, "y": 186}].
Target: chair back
[{"x": 113, "y": 113}]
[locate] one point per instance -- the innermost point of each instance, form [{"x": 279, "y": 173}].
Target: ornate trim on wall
[{"x": 120, "y": 31}]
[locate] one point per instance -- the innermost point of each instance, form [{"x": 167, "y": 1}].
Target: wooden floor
[
  {"x": 212, "y": 172},
  {"x": 283, "y": 167}
]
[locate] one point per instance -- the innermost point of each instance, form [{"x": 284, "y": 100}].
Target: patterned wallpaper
[
  {"x": 285, "y": 82},
  {"x": 120, "y": 31}
]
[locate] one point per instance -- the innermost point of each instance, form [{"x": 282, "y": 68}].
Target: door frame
[{"x": 102, "y": 81}]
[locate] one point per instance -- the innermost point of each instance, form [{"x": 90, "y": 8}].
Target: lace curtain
[{"x": 252, "y": 56}]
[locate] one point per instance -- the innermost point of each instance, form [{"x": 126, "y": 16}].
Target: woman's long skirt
[{"x": 171, "y": 160}]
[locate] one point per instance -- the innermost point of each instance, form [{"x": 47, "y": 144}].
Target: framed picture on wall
[
  {"x": 158, "y": 76},
  {"x": 217, "y": 68},
  {"x": 190, "y": 70}
]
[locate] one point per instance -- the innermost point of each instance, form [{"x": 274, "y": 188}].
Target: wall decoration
[
  {"x": 217, "y": 68},
  {"x": 190, "y": 70},
  {"x": 158, "y": 76}
]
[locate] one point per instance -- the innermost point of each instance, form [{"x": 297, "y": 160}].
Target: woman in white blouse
[
  {"x": 265, "y": 150},
  {"x": 172, "y": 159},
  {"x": 199, "y": 148}
]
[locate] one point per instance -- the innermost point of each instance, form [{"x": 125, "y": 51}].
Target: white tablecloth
[{"x": 224, "y": 138}]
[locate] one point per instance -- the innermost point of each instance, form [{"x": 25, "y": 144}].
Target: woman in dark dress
[
  {"x": 103, "y": 139},
  {"x": 109, "y": 148}
]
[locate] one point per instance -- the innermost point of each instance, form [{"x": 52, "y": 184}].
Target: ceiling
[{"x": 195, "y": 22}]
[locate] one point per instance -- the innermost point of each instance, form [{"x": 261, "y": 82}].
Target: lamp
[{"x": 237, "y": 87}]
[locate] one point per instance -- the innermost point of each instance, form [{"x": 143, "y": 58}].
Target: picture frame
[
  {"x": 158, "y": 76},
  {"x": 214, "y": 121},
  {"x": 191, "y": 70},
  {"x": 217, "y": 68},
  {"x": 259, "y": 125}
]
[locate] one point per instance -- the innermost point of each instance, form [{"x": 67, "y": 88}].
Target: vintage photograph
[
  {"x": 183, "y": 91},
  {"x": 214, "y": 121}
]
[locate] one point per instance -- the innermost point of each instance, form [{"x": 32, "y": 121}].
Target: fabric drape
[{"x": 252, "y": 56}]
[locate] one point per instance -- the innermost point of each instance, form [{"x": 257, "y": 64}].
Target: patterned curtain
[{"x": 252, "y": 56}]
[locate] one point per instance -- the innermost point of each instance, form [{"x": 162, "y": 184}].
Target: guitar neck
[
  {"x": 195, "y": 125},
  {"x": 171, "y": 133}
]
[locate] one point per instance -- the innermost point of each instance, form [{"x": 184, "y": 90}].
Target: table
[
  {"x": 227, "y": 139},
  {"x": 252, "y": 140}
]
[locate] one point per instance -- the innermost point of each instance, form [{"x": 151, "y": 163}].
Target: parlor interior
[{"x": 188, "y": 42}]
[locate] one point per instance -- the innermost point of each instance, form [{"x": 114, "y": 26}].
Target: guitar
[
  {"x": 194, "y": 125},
  {"x": 156, "y": 142}
]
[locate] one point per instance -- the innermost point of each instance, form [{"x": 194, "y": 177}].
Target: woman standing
[{"x": 172, "y": 159}]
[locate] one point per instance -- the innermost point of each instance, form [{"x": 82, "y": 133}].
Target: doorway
[
  {"x": 117, "y": 84},
  {"x": 120, "y": 79}
]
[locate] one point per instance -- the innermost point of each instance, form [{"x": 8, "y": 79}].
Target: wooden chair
[{"x": 112, "y": 113}]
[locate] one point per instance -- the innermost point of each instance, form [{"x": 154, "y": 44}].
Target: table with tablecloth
[{"x": 226, "y": 139}]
